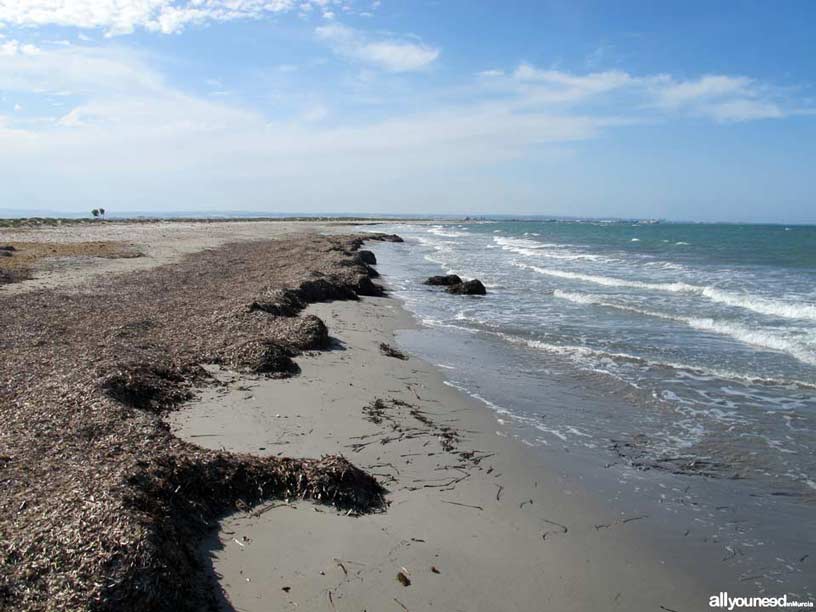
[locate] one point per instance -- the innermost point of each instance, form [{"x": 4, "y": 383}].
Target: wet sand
[{"x": 475, "y": 521}]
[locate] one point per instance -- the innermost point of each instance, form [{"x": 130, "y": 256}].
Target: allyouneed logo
[{"x": 723, "y": 600}]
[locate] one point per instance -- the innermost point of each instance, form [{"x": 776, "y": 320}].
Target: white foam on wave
[
  {"x": 773, "y": 308},
  {"x": 765, "y": 339},
  {"x": 531, "y": 248},
  {"x": 439, "y": 230},
  {"x": 578, "y": 352},
  {"x": 760, "y": 305},
  {"x": 607, "y": 281}
]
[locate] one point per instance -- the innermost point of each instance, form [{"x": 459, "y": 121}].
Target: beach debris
[
  {"x": 325, "y": 290},
  {"x": 446, "y": 280},
  {"x": 390, "y": 351},
  {"x": 279, "y": 302},
  {"x": 402, "y": 577},
  {"x": 471, "y": 287},
  {"x": 286, "y": 589},
  {"x": 624, "y": 521},
  {"x": 461, "y": 504},
  {"x": 562, "y": 529},
  {"x": 641, "y": 454},
  {"x": 364, "y": 286},
  {"x": 367, "y": 257},
  {"x": 15, "y": 275},
  {"x": 104, "y": 508},
  {"x": 262, "y": 356},
  {"x": 499, "y": 492},
  {"x": 150, "y": 386},
  {"x": 308, "y": 333},
  {"x": 401, "y": 605},
  {"x": 435, "y": 570}
]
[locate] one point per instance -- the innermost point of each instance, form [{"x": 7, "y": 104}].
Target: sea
[{"x": 669, "y": 366}]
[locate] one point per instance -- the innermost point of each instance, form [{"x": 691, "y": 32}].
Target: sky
[{"x": 687, "y": 110}]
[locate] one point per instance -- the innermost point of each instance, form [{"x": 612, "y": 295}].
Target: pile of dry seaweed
[{"x": 102, "y": 507}]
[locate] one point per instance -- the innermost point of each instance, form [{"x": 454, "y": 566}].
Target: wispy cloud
[
  {"x": 148, "y": 140},
  {"x": 722, "y": 98},
  {"x": 388, "y": 53},
  {"x": 119, "y": 17}
]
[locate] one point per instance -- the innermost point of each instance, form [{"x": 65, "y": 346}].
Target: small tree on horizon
[
  {"x": 95, "y": 212},
  {"x": 102, "y": 212}
]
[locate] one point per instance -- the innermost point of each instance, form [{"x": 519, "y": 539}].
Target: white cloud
[
  {"x": 389, "y": 54},
  {"x": 166, "y": 16},
  {"x": 723, "y": 98},
  {"x": 742, "y": 110},
  {"x": 13, "y": 47},
  {"x": 149, "y": 144},
  {"x": 557, "y": 86},
  {"x": 707, "y": 87},
  {"x": 720, "y": 97}
]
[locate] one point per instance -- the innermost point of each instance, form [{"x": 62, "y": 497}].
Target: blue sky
[{"x": 682, "y": 110}]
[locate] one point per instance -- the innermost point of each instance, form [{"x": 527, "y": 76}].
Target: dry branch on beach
[{"x": 102, "y": 506}]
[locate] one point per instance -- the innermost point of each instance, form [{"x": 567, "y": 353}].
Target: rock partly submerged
[
  {"x": 471, "y": 287},
  {"x": 444, "y": 281},
  {"x": 454, "y": 284}
]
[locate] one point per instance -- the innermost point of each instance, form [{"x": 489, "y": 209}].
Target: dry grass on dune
[{"x": 102, "y": 506}]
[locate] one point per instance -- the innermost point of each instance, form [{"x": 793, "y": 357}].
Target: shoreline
[
  {"x": 468, "y": 515},
  {"x": 486, "y": 526}
]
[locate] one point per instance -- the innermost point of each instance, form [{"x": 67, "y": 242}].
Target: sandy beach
[
  {"x": 219, "y": 447},
  {"x": 475, "y": 524}
]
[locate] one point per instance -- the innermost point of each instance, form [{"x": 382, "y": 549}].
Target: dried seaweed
[
  {"x": 390, "y": 351},
  {"x": 102, "y": 507}
]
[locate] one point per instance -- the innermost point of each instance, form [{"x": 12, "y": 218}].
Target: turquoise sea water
[
  {"x": 682, "y": 349},
  {"x": 716, "y": 324}
]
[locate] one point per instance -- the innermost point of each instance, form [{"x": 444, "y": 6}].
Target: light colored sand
[
  {"x": 160, "y": 243},
  {"x": 508, "y": 552}
]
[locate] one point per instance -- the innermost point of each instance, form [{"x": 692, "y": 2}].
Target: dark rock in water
[
  {"x": 445, "y": 281},
  {"x": 367, "y": 257},
  {"x": 310, "y": 334},
  {"x": 471, "y": 287},
  {"x": 372, "y": 273},
  {"x": 324, "y": 290},
  {"x": 8, "y": 249},
  {"x": 279, "y": 302},
  {"x": 385, "y": 237},
  {"x": 364, "y": 286}
]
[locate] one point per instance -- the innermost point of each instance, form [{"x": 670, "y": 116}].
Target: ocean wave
[
  {"x": 446, "y": 232},
  {"x": 765, "y": 339},
  {"x": 607, "y": 281},
  {"x": 760, "y": 305},
  {"x": 773, "y": 308},
  {"x": 531, "y": 248},
  {"x": 574, "y": 351}
]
